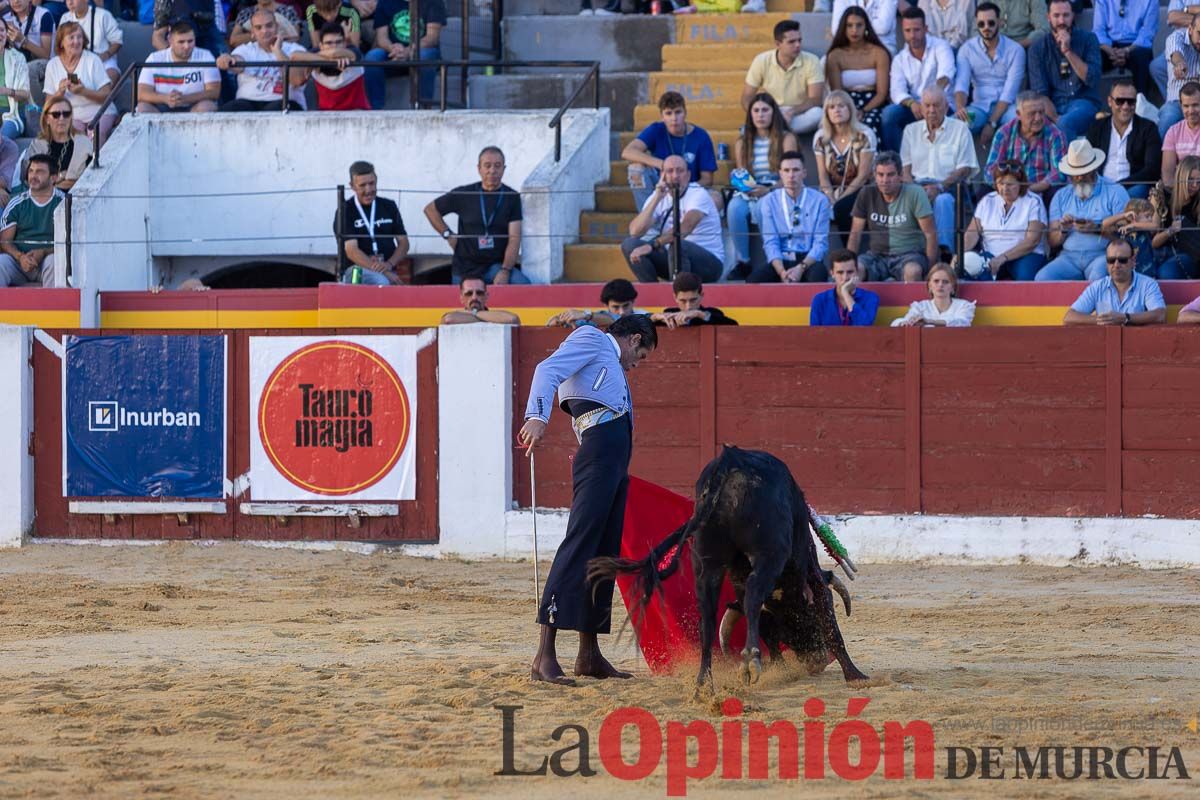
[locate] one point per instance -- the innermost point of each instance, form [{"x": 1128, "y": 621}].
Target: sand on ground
[{"x": 237, "y": 671}]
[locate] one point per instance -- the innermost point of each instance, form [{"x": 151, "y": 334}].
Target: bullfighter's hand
[{"x": 531, "y": 433}]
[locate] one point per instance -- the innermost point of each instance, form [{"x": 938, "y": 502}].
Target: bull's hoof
[
  {"x": 856, "y": 676},
  {"x": 751, "y": 666}
]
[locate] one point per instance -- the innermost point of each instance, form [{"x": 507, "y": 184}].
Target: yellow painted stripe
[
  {"x": 40, "y": 318},
  {"x": 289, "y": 318}
]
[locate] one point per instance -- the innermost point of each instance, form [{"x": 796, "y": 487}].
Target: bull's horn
[
  {"x": 848, "y": 568},
  {"x": 732, "y": 615},
  {"x": 836, "y": 583}
]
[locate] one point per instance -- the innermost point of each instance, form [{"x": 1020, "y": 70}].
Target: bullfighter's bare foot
[
  {"x": 590, "y": 663},
  {"x": 545, "y": 665}
]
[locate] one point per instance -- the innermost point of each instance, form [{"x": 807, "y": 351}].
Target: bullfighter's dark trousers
[{"x": 600, "y": 480}]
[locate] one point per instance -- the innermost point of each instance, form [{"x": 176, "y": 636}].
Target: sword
[{"x": 537, "y": 582}]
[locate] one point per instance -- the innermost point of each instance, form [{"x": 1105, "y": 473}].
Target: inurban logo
[{"x": 108, "y": 416}]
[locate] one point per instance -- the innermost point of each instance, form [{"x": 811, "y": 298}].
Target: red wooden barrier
[
  {"x": 1012, "y": 421},
  {"x": 416, "y": 522}
]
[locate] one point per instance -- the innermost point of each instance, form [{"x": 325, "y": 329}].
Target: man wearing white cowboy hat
[{"x": 1076, "y": 213}]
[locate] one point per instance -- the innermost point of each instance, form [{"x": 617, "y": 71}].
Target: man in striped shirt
[
  {"x": 1182, "y": 51},
  {"x": 1032, "y": 141},
  {"x": 170, "y": 84}
]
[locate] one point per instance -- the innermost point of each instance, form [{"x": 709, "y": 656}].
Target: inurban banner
[
  {"x": 333, "y": 418},
  {"x": 144, "y": 416}
]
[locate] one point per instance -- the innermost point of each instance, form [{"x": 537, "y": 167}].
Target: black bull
[{"x": 751, "y": 519}]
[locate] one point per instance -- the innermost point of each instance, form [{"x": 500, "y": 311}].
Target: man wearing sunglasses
[
  {"x": 1124, "y": 297},
  {"x": 1132, "y": 143},
  {"x": 1126, "y": 30},
  {"x": 473, "y": 293},
  {"x": 991, "y": 67}
]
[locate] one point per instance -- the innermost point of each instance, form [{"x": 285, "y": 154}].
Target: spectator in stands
[
  {"x": 261, "y": 88},
  {"x": 795, "y": 226},
  {"x": 473, "y": 293},
  {"x": 673, "y": 135},
  {"x": 1183, "y": 138},
  {"x": 1182, "y": 50},
  {"x": 1064, "y": 66},
  {"x": 14, "y": 87},
  {"x": 881, "y": 14},
  {"x": 287, "y": 21},
  {"x": 899, "y": 220},
  {"x": 938, "y": 154},
  {"x": 926, "y": 61},
  {"x": 30, "y": 28},
  {"x": 858, "y": 64},
  {"x": 1032, "y": 141},
  {"x": 846, "y": 303},
  {"x": 617, "y": 297},
  {"x": 1139, "y": 225},
  {"x": 68, "y": 150},
  {"x": 950, "y": 20},
  {"x": 1179, "y": 18},
  {"x": 689, "y": 309},
  {"x": 339, "y": 87},
  {"x": 1179, "y": 217},
  {"x": 324, "y": 12},
  {"x": 372, "y": 229},
  {"x": 1123, "y": 297},
  {"x": 942, "y": 309},
  {"x": 165, "y": 86},
  {"x": 1010, "y": 226},
  {"x": 652, "y": 232},
  {"x": 207, "y": 18},
  {"x": 844, "y": 149},
  {"x": 1023, "y": 20},
  {"x": 488, "y": 242},
  {"x": 104, "y": 36},
  {"x": 1134, "y": 150},
  {"x": 393, "y": 42},
  {"x": 763, "y": 141},
  {"x": 27, "y": 229},
  {"x": 1076, "y": 216},
  {"x": 80, "y": 75},
  {"x": 991, "y": 67},
  {"x": 790, "y": 75},
  {"x": 1126, "y": 31}
]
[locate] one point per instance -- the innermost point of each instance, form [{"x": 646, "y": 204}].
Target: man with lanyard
[
  {"x": 488, "y": 245},
  {"x": 846, "y": 303},
  {"x": 372, "y": 230},
  {"x": 795, "y": 228},
  {"x": 588, "y": 373}
]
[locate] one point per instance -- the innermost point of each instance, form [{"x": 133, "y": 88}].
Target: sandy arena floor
[{"x": 235, "y": 671}]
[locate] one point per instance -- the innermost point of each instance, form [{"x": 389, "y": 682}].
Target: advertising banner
[
  {"x": 333, "y": 418},
  {"x": 144, "y": 416}
]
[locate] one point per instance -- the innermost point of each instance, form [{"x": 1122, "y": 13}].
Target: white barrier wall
[
  {"x": 16, "y": 434},
  {"x": 282, "y": 171}
]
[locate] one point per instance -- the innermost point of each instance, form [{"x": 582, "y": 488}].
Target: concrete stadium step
[
  {"x": 615, "y": 198},
  {"x": 789, "y": 6},
  {"x": 710, "y": 116},
  {"x": 716, "y": 86},
  {"x": 594, "y": 263},
  {"x": 709, "y": 28},
  {"x": 619, "y": 171},
  {"x": 719, "y": 136},
  {"x": 604, "y": 227},
  {"x": 710, "y": 57}
]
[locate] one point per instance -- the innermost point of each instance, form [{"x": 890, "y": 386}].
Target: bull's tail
[{"x": 650, "y": 574}]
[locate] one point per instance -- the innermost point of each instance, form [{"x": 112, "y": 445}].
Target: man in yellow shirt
[{"x": 790, "y": 75}]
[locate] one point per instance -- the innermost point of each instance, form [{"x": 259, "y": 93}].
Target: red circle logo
[{"x": 334, "y": 418}]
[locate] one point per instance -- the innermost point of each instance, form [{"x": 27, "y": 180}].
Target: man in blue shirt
[
  {"x": 1126, "y": 30},
  {"x": 1064, "y": 65},
  {"x": 588, "y": 373},
  {"x": 845, "y": 303},
  {"x": 1125, "y": 297},
  {"x": 795, "y": 228},
  {"x": 1076, "y": 214},
  {"x": 991, "y": 67},
  {"x": 673, "y": 136}
]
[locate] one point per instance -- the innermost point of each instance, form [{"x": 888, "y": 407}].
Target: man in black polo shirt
[
  {"x": 689, "y": 309},
  {"x": 488, "y": 242},
  {"x": 373, "y": 231}
]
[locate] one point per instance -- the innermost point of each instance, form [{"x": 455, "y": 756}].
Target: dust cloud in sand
[{"x": 236, "y": 671}]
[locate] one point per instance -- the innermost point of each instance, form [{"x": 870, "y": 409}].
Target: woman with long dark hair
[
  {"x": 860, "y": 65},
  {"x": 764, "y": 138}
]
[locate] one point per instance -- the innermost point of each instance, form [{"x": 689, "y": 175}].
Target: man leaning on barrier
[
  {"x": 169, "y": 85},
  {"x": 261, "y": 88}
]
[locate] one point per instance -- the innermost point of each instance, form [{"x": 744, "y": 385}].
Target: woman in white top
[
  {"x": 859, "y": 64},
  {"x": 80, "y": 74},
  {"x": 764, "y": 139},
  {"x": 1010, "y": 225},
  {"x": 952, "y": 20},
  {"x": 100, "y": 28},
  {"x": 14, "y": 89},
  {"x": 942, "y": 308}
]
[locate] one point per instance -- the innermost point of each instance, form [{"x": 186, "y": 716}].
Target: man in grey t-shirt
[{"x": 899, "y": 222}]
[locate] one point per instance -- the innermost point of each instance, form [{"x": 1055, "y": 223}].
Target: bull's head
[{"x": 733, "y": 613}]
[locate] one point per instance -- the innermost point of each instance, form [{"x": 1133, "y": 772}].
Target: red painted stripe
[
  {"x": 224, "y": 299},
  {"x": 38, "y": 299}
]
